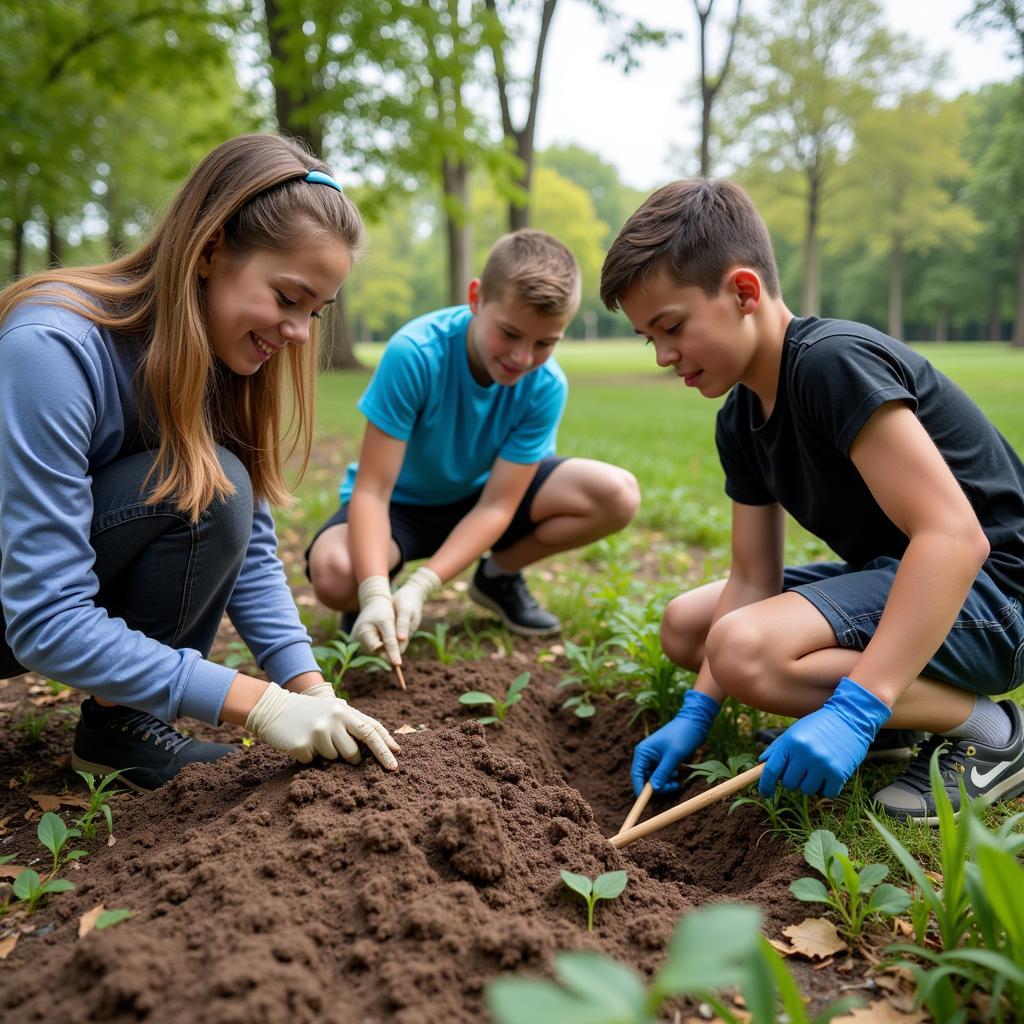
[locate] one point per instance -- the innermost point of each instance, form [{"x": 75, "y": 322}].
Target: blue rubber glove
[
  {"x": 657, "y": 757},
  {"x": 818, "y": 753}
]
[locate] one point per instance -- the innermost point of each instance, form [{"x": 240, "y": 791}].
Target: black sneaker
[
  {"x": 889, "y": 746},
  {"x": 992, "y": 773},
  {"x": 147, "y": 751},
  {"x": 348, "y": 623},
  {"x": 517, "y": 607}
]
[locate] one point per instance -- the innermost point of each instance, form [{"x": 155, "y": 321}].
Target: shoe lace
[
  {"x": 951, "y": 765},
  {"x": 146, "y": 726},
  {"x": 520, "y": 591}
]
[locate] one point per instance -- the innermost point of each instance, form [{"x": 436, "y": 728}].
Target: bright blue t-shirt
[{"x": 424, "y": 393}]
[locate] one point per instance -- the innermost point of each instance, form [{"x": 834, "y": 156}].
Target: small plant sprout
[
  {"x": 100, "y": 795},
  {"x": 30, "y": 889},
  {"x": 340, "y": 656},
  {"x": 591, "y": 665},
  {"x": 33, "y": 726},
  {"x": 853, "y": 895},
  {"x": 717, "y": 771},
  {"x": 438, "y": 640},
  {"x": 55, "y": 835},
  {"x": 605, "y": 887},
  {"x": 501, "y": 706},
  {"x": 111, "y": 917}
]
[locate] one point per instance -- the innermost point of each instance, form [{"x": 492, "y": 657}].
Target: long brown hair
[{"x": 251, "y": 187}]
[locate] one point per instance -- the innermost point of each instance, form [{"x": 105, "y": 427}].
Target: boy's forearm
[
  {"x": 935, "y": 575},
  {"x": 369, "y": 534},
  {"x": 472, "y": 536}
]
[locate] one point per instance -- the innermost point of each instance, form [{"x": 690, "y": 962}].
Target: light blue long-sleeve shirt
[{"x": 67, "y": 403}]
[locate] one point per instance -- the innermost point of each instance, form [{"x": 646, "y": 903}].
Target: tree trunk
[
  {"x": 896, "y": 289},
  {"x": 810, "y": 293},
  {"x": 519, "y": 216},
  {"x": 53, "y": 242},
  {"x": 455, "y": 175},
  {"x": 942, "y": 324},
  {"x": 18, "y": 245},
  {"x": 1018, "y": 324}
]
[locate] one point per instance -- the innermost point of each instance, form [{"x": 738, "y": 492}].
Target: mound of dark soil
[{"x": 264, "y": 891}]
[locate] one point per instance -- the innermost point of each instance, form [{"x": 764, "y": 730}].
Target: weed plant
[
  {"x": 100, "y": 795},
  {"x": 33, "y": 726},
  {"x": 593, "y": 671},
  {"x": 714, "y": 948},
  {"x": 501, "y": 705},
  {"x": 442, "y": 647}
]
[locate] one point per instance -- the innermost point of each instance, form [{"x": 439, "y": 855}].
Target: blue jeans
[
  {"x": 165, "y": 576},
  {"x": 983, "y": 652}
]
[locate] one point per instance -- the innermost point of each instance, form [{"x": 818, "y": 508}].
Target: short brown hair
[
  {"x": 537, "y": 268},
  {"x": 697, "y": 229}
]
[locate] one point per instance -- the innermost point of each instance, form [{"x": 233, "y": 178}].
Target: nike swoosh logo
[{"x": 984, "y": 778}]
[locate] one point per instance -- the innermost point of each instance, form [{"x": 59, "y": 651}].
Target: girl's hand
[
  {"x": 375, "y": 626},
  {"x": 326, "y": 726}
]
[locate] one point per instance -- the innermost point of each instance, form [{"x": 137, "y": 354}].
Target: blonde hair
[
  {"x": 536, "y": 268},
  {"x": 252, "y": 187}
]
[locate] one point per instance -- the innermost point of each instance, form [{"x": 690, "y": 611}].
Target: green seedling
[
  {"x": 501, "y": 705},
  {"x": 590, "y": 664},
  {"x": 656, "y": 684},
  {"x": 56, "y": 687},
  {"x": 341, "y": 656},
  {"x": 853, "y": 895},
  {"x": 33, "y": 726},
  {"x": 111, "y": 917},
  {"x": 30, "y": 889},
  {"x": 439, "y": 642},
  {"x": 100, "y": 795},
  {"x": 55, "y": 835},
  {"x": 714, "y": 948},
  {"x": 236, "y": 653},
  {"x": 717, "y": 771},
  {"x": 605, "y": 887}
]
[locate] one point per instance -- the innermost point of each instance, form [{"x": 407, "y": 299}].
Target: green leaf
[
  {"x": 610, "y": 884},
  {"x": 820, "y": 848},
  {"x": 77, "y": 855},
  {"x": 585, "y": 711},
  {"x": 56, "y": 885},
  {"x": 578, "y": 883},
  {"x": 870, "y": 875},
  {"x": 709, "y": 948},
  {"x": 52, "y": 832},
  {"x": 25, "y": 884},
  {"x": 488, "y": 719},
  {"x": 7, "y": 858},
  {"x": 1003, "y": 881},
  {"x": 810, "y": 890},
  {"x": 518, "y": 685},
  {"x": 604, "y": 981},
  {"x": 889, "y": 899},
  {"x": 526, "y": 1001},
  {"x": 476, "y": 697},
  {"x": 111, "y": 917}
]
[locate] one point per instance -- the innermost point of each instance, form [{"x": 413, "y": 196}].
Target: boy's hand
[
  {"x": 408, "y": 601},
  {"x": 302, "y": 727},
  {"x": 657, "y": 757},
  {"x": 375, "y": 626},
  {"x": 818, "y": 753}
]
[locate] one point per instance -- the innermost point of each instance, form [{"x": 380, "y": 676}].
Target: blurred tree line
[{"x": 888, "y": 203}]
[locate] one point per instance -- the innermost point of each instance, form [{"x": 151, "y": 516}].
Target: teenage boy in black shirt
[{"x": 874, "y": 451}]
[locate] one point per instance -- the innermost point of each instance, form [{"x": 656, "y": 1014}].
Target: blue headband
[{"x": 319, "y": 178}]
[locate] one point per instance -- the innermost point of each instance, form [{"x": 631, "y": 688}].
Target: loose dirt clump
[{"x": 267, "y": 891}]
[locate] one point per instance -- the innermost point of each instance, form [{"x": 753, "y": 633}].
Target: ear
[
  {"x": 474, "y": 296},
  {"x": 745, "y": 285},
  {"x": 211, "y": 251}
]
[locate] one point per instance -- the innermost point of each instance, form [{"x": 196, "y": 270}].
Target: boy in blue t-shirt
[
  {"x": 862, "y": 441},
  {"x": 458, "y": 457}
]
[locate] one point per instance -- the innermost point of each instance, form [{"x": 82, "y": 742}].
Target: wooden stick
[
  {"x": 638, "y": 808},
  {"x": 687, "y": 807},
  {"x": 398, "y": 673}
]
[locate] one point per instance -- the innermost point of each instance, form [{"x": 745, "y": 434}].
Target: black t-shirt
[{"x": 834, "y": 375}]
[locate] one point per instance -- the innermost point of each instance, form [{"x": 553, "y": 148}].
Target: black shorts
[{"x": 419, "y": 530}]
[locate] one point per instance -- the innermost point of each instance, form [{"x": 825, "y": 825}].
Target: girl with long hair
[{"x": 146, "y": 408}]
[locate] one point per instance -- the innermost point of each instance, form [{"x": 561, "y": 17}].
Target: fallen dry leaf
[
  {"x": 782, "y": 947},
  {"x": 11, "y": 870},
  {"x": 3, "y": 824},
  {"x": 7, "y": 944},
  {"x": 54, "y": 803},
  {"x": 46, "y": 699},
  {"x": 815, "y": 937},
  {"x": 881, "y": 1012},
  {"x": 111, "y": 840},
  {"x": 88, "y": 920},
  {"x": 404, "y": 730}
]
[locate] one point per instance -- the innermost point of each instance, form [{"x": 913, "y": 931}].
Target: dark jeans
[{"x": 164, "y": 575}]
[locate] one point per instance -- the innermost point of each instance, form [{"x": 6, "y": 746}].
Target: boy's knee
[
  {"x": 621, "y": 498},
  {"x": 330, "y": 571},
  {"x": 680, "y": 640},
  {"x": 736, "y": 653}
]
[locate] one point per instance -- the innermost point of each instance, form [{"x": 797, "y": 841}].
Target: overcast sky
[{"x": 634, "y": 121}]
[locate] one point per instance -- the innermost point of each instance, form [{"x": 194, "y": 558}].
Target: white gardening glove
[
  {"x": 375, "y": 626},
  {"x": 302, "y": 727},
  {"x": 319, "y": 690},
  {"x": 408, "y": 601}
]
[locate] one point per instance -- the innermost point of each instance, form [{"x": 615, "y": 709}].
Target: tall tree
[
  {"x": 807, "y": 75},
  {"x": 999, "y": 15},
  {"x": 905, "y": 168},
  {"x": 711, "y": 84}
]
